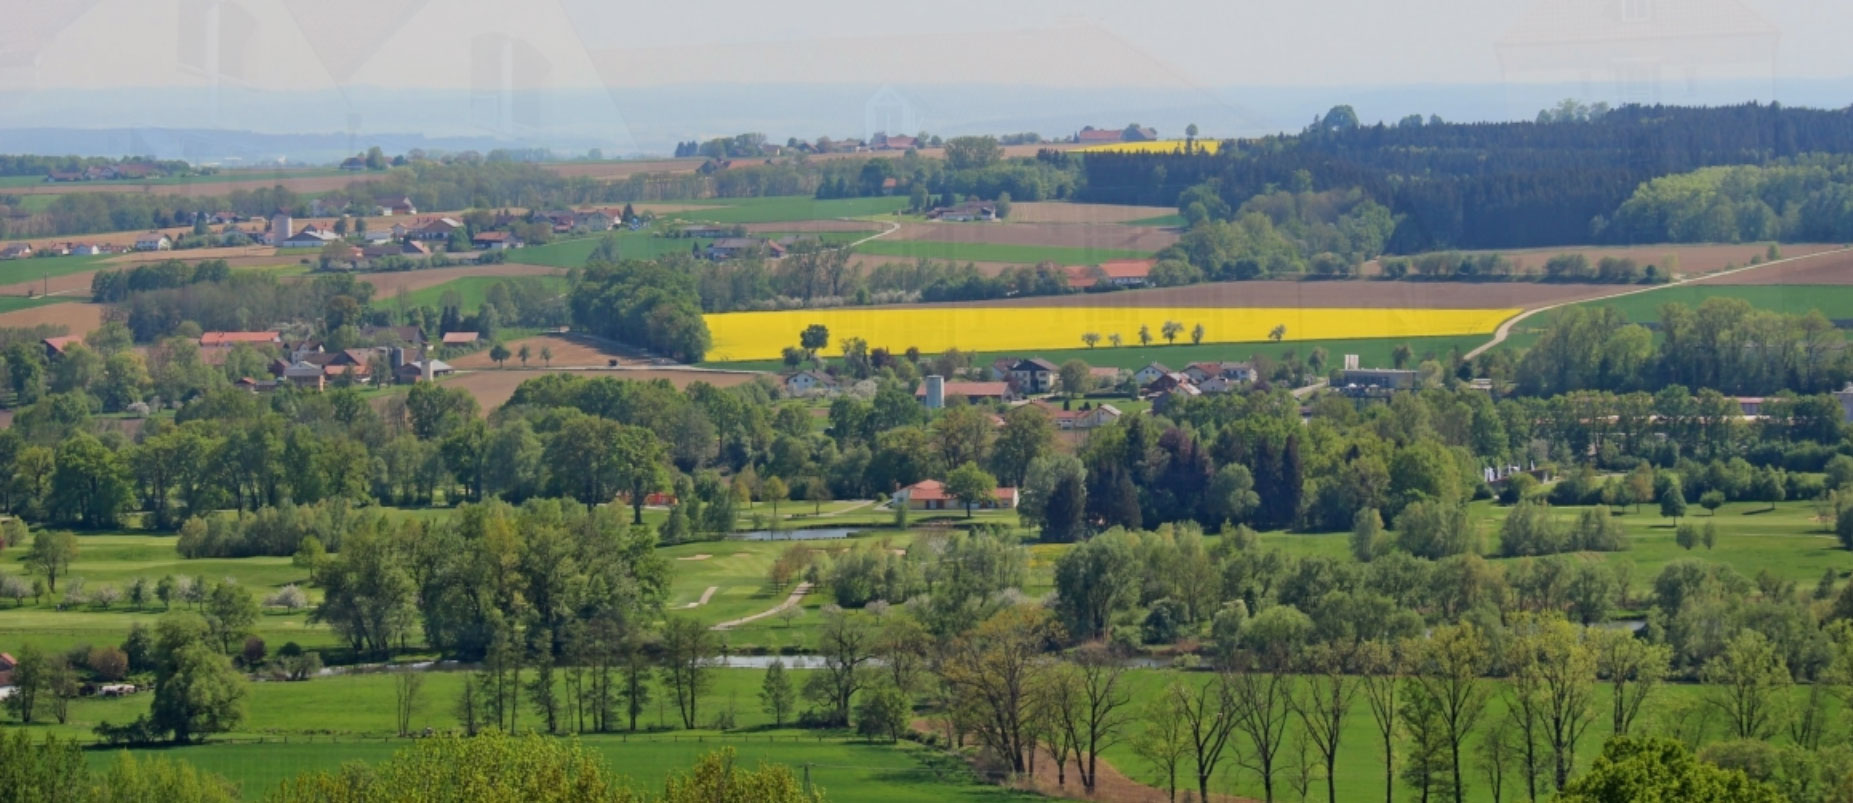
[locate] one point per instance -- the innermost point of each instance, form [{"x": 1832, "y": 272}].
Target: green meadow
[{"x": 994, "y": 252}]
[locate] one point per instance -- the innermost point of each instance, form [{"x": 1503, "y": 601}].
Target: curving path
[
  {"x": 892, "y": 228},
  {"x": 797, "y": 594},
  {"x": 705, "y": 596},
  {"x": 1505, "y": 329}
]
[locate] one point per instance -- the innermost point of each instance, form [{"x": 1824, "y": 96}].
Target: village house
[
  {"x": 56, "y": 346},
  {"x": 1033, "y": 375},
  {"x": 85, "y": 249},
  {"x": 1163, "y": 402},
  {"x": 1167, "y": 383},
  {"x": 1201, "y": 372},
  {"x": 729, "y": 247},
  {"x": 16, "y": 251},
  {"x": 1376, "y": 382},
  {"x": 394, "y": 335},
  {"x": 496, "y": 240},
  {"x": 1082, "y": 277},
  {"x": 931, "y": 495},
  {"x": 964, "y": 212},
  {"x": 804, "y": 383},
  {"x": 311, "y": 236},
  {"x": 898, "y": 142},
  {"x": 706, "y": 232},
  {"x": 1149, "y": 374},
  {"x": 353, "y": 163},
  {"x": 1107, "y": 136},
  {"x": 459, "y": 338},
  {"x": 394, "y": 206},
  {"x": 426, "y": 229},
  {"x": 414, "y": 371},
  {"x": 153, "y": 241},
  {"x": 1077, "y": 419}
]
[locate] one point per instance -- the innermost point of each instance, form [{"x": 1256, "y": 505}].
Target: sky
[{"x": 57, "y": 57}]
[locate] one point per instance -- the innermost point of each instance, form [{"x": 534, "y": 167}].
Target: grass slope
[
  {"x": 472, "y": 290},
  {"x": 784, "y": 208},
  {"x": 15, "y": 271}
]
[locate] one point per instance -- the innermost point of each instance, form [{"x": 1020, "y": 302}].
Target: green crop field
[
  {"x": 1834, "y": 301},
  {"x": 574, "y": 253},
  {"x": 780, "y": 209},
  {"x": 473, "y": 290},
  {"x": 994, "y": 252},
  {"x": 16, "y": 271},
  {"x": 1161, "y": 220}
]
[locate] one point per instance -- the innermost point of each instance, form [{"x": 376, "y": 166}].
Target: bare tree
[
  {"x": 1325, "y": 698},
  {"x": 1164, "y": 743},
  {"x": 1203, "y": 710},
  {"x": 1380, "y": 679},
  {"x": 406, "y": 686},
  {"x": 1092, "y": 716}
]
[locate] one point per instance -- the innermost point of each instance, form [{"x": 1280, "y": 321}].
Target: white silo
[
  {"x": 281, "y": 227},
  {"x": 935, "y": 392}
]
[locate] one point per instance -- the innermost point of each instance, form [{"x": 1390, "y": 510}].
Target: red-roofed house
[
  {"x": 459, "y": 338},
  {"x": 931, "y": 495},
  {"x": 227, "y": 340},
  {"x": 1099, "y": 136},
  {"x": 6, "y": 668},
  {"x": 975, "y": 391},
  {"x": 495, "y": 240},
  {"x": 1081, "y": 277},
  {"x": 55, "y": 346},
  {"x": 899, "y": 142},
  {"x": 1127, "y": 272}
]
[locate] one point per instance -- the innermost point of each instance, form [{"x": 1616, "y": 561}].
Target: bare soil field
[
  {"x": 79, "y": 317},
  {"x": 1834, "y": 267},
  {"x": 387, "y": 285},
  {"x": 1128, "y": 238},
  {"x": 70, "y": 284},
  {"x": 569, "y": 351},
  {"x": 1332, "y": 294},
  {"x": 492, "y": 388},
  {"x": 270, "y": 254},
  {"x": 1064, "y": 212}
]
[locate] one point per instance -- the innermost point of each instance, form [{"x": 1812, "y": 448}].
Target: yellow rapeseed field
[
  {"x": 1155, "y": 146},
  {"x": 743, "y": 336}
]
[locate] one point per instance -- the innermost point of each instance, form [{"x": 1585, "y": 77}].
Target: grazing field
[
  {"x": 20, "y": 275},
  {"x": 492, "y": 387},
  {"x": 1834, "y": 301},
  {"x": 387, "y": 285},
  {"x": 1061, "y": 235},
  {"x": 472, "y": 290},
  {"x": 994, "y": 252},
  {"x": 744, "y": 336},
  {"x": 574, "y": 253}
]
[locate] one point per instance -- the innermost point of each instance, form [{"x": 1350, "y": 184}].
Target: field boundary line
[{"x": 1505, "y": 328}]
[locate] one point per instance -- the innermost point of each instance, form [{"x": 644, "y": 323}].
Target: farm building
[
  {"x": 1201, "y": 372},
  {"x": 964, "y": 213},
  {"x": 414, "y": 371},
  {"x": 16, "y": 251},
  {"x": 1149, "y": 374},
  {"x": 85, "y": 249},
  {"x": 1078, "y": 419},
  {"x": 153, "y": 241},
  {"x": 1127, "y": 272},
  {"x": 931, "y": 495},
  {"x": 1033, "y": 375},
  {"x": 730, "y": 247},
  {"x": 460, "y": 338},
  {"x": 1375, "y": 382},
  {"x": 806, "y": 382},
  {"x": 495, "y": 241},
  {"x": 974, "y": 391},
  {"x": 226, "y": 340},
  {"x": 398, "y": 205},
  {"x": 311, "y": 236}
]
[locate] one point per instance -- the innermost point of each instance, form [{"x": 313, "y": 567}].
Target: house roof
[
  {"x": 230, "y": 338},
  {"x": 1158, "y": 365},
  {"x": 493, "y": 236},
  {"x": 934, "y": 490},
  {"x": 972, "y": 389},
  {"x": 151, "y": 237},
  {"x": 460, "y": 338},
  {"x": 60, "y": 343},
  {"x": 816, "y": 376},
  {"x": 1128, "y": 268}
]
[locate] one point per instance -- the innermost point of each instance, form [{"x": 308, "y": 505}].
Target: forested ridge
[{"x": 1483, "y": 185}]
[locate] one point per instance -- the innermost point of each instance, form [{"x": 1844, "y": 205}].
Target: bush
[{"x": 1163, "y": 623}]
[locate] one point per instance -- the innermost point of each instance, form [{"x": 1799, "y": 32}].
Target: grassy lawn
[
  {"x": 15, "y": 271},
  {"x": 785, "y": 208},
  {"x": 1786, "y": 542},
  {"x": 994, "y": 252}
]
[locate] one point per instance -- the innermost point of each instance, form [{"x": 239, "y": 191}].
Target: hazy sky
[{"x": 53, "y": 45}]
